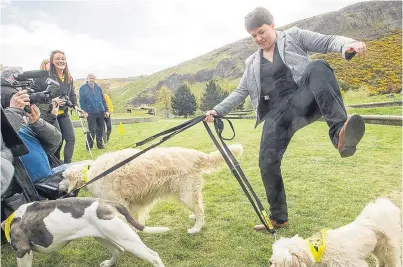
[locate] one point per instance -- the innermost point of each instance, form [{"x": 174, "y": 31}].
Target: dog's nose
[{"x": 63, "y": 187}]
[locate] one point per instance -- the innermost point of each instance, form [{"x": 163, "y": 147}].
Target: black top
[
  {"x": 276, "y": 81},
  {"x": 275, "y": 77}
]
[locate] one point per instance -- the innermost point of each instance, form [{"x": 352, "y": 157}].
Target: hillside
[{"x": 379, "y": 23}]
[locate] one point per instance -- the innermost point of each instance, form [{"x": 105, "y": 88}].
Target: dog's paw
[
  {"x": 193, "y": 216},
  {"x": 108, "y": 263},
  {"x": 193, "y": 231}
]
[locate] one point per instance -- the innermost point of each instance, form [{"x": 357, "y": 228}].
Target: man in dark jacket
[
  {"x": 10, "y": 143},
  {"x": 92, "y": 101}
]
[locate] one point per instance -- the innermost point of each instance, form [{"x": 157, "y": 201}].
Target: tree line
[{"x": 183, "y": 102}]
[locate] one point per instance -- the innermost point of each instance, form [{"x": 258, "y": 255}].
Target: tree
[
  {"x": 212, "y": 96},
  {"x": 164, "y": 101},
  {"x": 183, "y": 102}
]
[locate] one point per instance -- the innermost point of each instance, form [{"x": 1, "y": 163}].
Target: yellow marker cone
[{"x": 121, "y": 128}]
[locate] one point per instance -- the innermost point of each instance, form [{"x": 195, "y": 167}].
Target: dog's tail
[
  {"x": 215, "y": 160},
  {"x": 384, "y": 215},
  {"x": 133, "y": 222}
]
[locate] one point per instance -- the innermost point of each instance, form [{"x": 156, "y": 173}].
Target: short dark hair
[{"x": 257, "y": 18}]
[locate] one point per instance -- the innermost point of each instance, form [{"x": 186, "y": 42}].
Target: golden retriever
[{"x": 158, "y": 173}]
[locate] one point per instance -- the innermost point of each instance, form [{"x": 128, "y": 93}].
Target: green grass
[
  {"x": 395, "y": 111},
  {"x": 360, "y": 96},
  {"x": 323, "y": 190}
]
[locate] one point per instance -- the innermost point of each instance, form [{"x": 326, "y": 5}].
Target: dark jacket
[
  {"x": 66, "y": 89},
  {"x": 92, "y": 101},
  {"x": 10, "y": 143}
]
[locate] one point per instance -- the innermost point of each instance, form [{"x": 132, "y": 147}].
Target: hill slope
[{"x": 364, "y": 21}]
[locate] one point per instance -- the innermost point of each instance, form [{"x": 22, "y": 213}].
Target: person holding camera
[
  {"x": 93, "y": 103},
  {"x": 10, "y": 143},
  {"x": 49, "y": 111},
  {"x": 66, "y": 98}
]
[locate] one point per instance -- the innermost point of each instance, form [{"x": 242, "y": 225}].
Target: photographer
[
  {"x": 11, "y": 144},
  {"x": 37, "y": 135},
  {"x": 59, "y": 71}
]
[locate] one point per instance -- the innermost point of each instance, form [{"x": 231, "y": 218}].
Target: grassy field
[{"x": 323, "y": 190}]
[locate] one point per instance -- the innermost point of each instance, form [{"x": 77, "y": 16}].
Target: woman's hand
[
  {"x": 59, "y": 101},
  {"x": 55, "y": 107},
  {"x": 210, "y": 115}
]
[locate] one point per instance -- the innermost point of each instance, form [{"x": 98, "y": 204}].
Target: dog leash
[
  {"x": 238, "y": 172},
  {"x": 172, "y": 131},
  {"x": 230, "y": 160}
]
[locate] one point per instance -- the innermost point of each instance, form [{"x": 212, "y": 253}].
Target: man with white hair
[{"x": 92, "y": 101}]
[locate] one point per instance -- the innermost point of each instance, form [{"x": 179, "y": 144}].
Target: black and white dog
[{"x": 46, "y": 226}]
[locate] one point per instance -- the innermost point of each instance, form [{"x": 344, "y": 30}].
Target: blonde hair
[{"x": 43, "y": 64}]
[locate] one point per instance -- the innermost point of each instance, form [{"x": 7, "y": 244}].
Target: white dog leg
[
  {"x": 191, "y": 196},
  {"x": 114, "y": 249},
  {"x": 124, "y": 236},
  {"x": 26, "y": 261}
]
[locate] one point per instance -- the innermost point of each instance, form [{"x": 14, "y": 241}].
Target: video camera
[{"x": 24, "y": 81}]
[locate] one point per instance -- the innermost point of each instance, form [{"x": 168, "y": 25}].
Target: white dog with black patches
[
  {"x": 46, "y": 226},
  {"x": 158, "y": 173},
  {"x": 377, "y": 230}
]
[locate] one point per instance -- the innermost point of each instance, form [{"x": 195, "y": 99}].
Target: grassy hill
[{"x": 378, "y": 23}]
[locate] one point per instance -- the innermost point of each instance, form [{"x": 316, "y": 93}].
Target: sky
[{"x": 120, "y": 39}]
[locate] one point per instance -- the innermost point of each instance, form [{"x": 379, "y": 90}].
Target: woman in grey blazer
[{"x": 289, "y": 91}]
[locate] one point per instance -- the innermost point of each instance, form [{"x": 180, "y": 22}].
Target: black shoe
[{"x": 101, "y": 147}]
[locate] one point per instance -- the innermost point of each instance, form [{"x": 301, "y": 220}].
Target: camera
[{"x": 24, "y": 81}]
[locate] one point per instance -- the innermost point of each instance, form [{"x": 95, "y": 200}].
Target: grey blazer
[{"x": 293, "y": 46}]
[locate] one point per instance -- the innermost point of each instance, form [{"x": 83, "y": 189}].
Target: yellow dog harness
[
  {"x": 85, "y": 173},
  {"x": 7, "y": 225},
  {"x": 316, "y": 244}
]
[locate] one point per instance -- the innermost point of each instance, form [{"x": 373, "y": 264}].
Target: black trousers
[
  {"x": 68, "y": 136},
  {"x": 108, "y": 127},
  {"x": 318, "y": 95},
  {"x": 96, "y": 128}
]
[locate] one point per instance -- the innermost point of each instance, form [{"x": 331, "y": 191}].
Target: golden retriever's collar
[
  {"x": 85, "y": 173},
  {"x": 316, "y": 244}
]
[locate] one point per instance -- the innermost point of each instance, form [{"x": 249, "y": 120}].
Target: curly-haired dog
[
  {"x": 376, "y": 230},
  {"x": 160, "y": 172},
  {"x": 46, "y": 226}
]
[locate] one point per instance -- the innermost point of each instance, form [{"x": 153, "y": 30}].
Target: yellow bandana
[
  {"x": 316, "y": 244},
  {"x": 85, "y": 173},
  {"x": 7, "y": 225}
]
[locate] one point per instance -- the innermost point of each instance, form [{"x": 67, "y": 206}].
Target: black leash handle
[{"x": 238, "y": 173}]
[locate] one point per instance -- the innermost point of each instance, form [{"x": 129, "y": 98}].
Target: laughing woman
[{"x": 59, "y": 71}]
